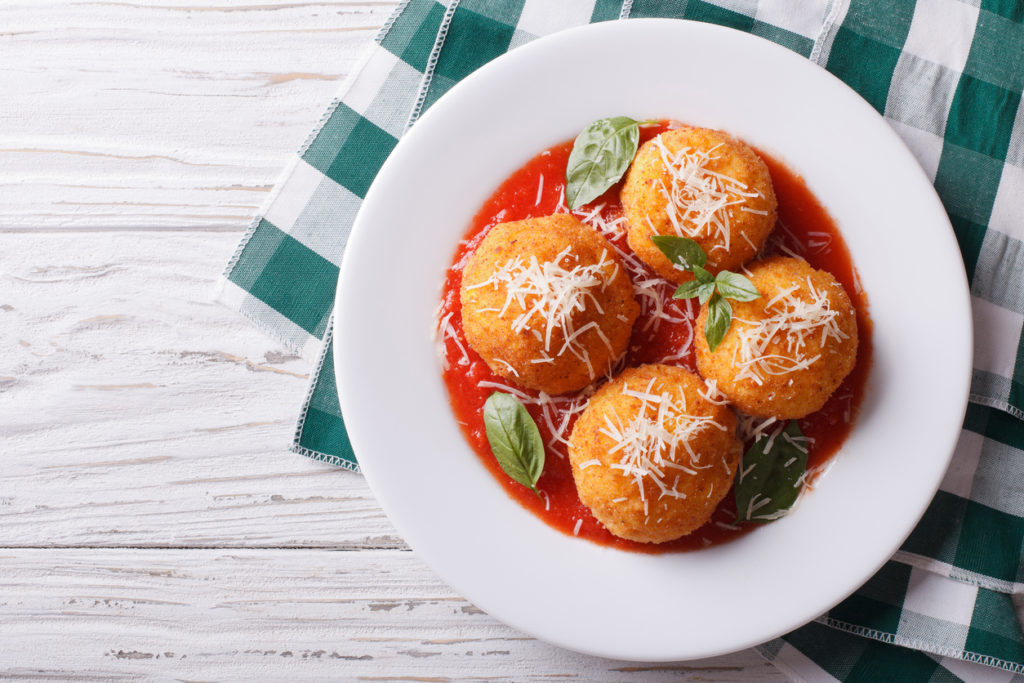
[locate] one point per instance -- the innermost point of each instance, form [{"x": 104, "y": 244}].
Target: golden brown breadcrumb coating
[
  {"x": 703, "y": 184},
  {"x": 787, "y": 351},
  {"x": 546, "y": 303},
  {"x": 652, "y": 456}
]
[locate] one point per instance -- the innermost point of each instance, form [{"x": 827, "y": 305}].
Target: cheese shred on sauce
[{"x": 556, "y": 412}]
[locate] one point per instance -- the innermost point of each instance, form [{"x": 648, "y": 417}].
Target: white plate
[{"x": 457, "y": 517}]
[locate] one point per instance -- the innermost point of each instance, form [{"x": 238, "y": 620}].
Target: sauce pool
[{"x": 537, "y": 189}]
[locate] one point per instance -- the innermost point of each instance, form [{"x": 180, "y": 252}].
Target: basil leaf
[
  {"x": 514, "y": 439},
  {"x": 719, "y": 318},
  {"x": 599, "y": 157},
  {"x": 735, "y": 286},
  {"x": 706, "y": 290},
  {"x": 680, "y": 250},
  {"x": 690, "y": 289},
  {"x": 771, "y": 483},
  {"x": 703, "y": 276}
]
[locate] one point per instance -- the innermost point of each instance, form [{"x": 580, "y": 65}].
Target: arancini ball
[
  {"x": 703, "y": 184},
  {"x": 653, "y": 453},
  {"x": 786, "y": 352},
  {"x": 546, "y": 303}
]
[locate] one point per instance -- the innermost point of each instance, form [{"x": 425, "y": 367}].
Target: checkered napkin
[{"x": 947, "y": 75}]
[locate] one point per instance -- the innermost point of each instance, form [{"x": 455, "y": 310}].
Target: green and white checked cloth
[{"x": 947, "y": 74}]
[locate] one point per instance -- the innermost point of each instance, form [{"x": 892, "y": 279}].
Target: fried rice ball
[
  {"x": 652, "y": 456},
  {"x": 702, "y": 184},
  {"x": 786, "y": 352},
  {"x": 546, "y": 303}
]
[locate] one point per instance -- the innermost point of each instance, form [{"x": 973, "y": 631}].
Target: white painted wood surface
[{"x": 153, "y": 525}]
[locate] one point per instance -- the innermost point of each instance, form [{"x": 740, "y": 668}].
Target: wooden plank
[
  {"x": 160, "y": 115},
  {"x": 120, "y": 615},
  {"x": 135, "y": 411}
]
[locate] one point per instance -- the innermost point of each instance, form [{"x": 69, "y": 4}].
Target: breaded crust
[
  {"x": 750, "y": 214},
  {"x": 706, "y": 447},
  {"x": 780, "y": 393},
  {"x": 518, "y": 341}
]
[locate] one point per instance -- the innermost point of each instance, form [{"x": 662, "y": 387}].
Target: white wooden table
[{"x": 152, "y": 523}]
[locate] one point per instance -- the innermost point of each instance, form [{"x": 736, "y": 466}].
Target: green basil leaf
[
  {"x": 770, "y": 478},
  {"x": 719, "y": 319},
  {"x": 735, "y": 286},
  {"x": 680, "y": 250},
  {"x": 703, "y": 276},
  {"x": 705, "y": 293},
  {"x": 599, "y": 157},
  {"x": 514, "y": 439},
  {"x": 690, "y": 289}
]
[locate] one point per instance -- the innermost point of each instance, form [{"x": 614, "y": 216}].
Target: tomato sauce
[{"x": 537, "y": 189}]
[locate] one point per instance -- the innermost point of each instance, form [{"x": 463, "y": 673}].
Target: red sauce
[{"x": 536, "y": 190}]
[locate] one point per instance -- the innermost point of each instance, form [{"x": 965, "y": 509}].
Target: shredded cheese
[
  {"x": 560, "y": 207},
  {"x": 711, "y": 393},
  {"x": 791, "y": 317},
  {"x": 550, "y": 407},
  {"x": 595, "y": 219},
  {"x": 746, "y": 470},
  {"x": 445, "y": 331},
  {"x": 656, "y": 442},
  {"x": 819, "y": 242},
  {"x": 782, "y": 239},
  {"x": 757, "y": 501},
  {"x": 551, "y": 295},
  {"x": 811, "y": 474},
  {"x": 507, "y": 365},
  {"x": 750, "y": 428},
  {"x": 697, "y": 198},
  {"x": 797, "y": 442},
  {"x": 650, "y": 291}
]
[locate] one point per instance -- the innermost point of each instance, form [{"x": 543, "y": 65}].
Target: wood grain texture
[
  {"x": 153, "y": 525},
  {"x": 135, "y": 412},
  {"x": 276, "y": 615},
  {"x": 163, "y": 115}
]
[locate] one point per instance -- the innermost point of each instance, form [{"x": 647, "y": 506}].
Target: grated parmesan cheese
[
  {"x": 550, "y": 295},
  {"x": 651, "y": 291},
  {"x": 751, "y": 428},
  {"x": 789, "y": 321},
  {"x": 696, "y": 197},
  {"x": 443, "y": 332},
  {"x": 712, "y": 394},
  {"x": 595, "y": 219},
  {"x": 507, "y": 365},
  {"x": 549, "y": 406},
  {"x": 656, "y": 442}
]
